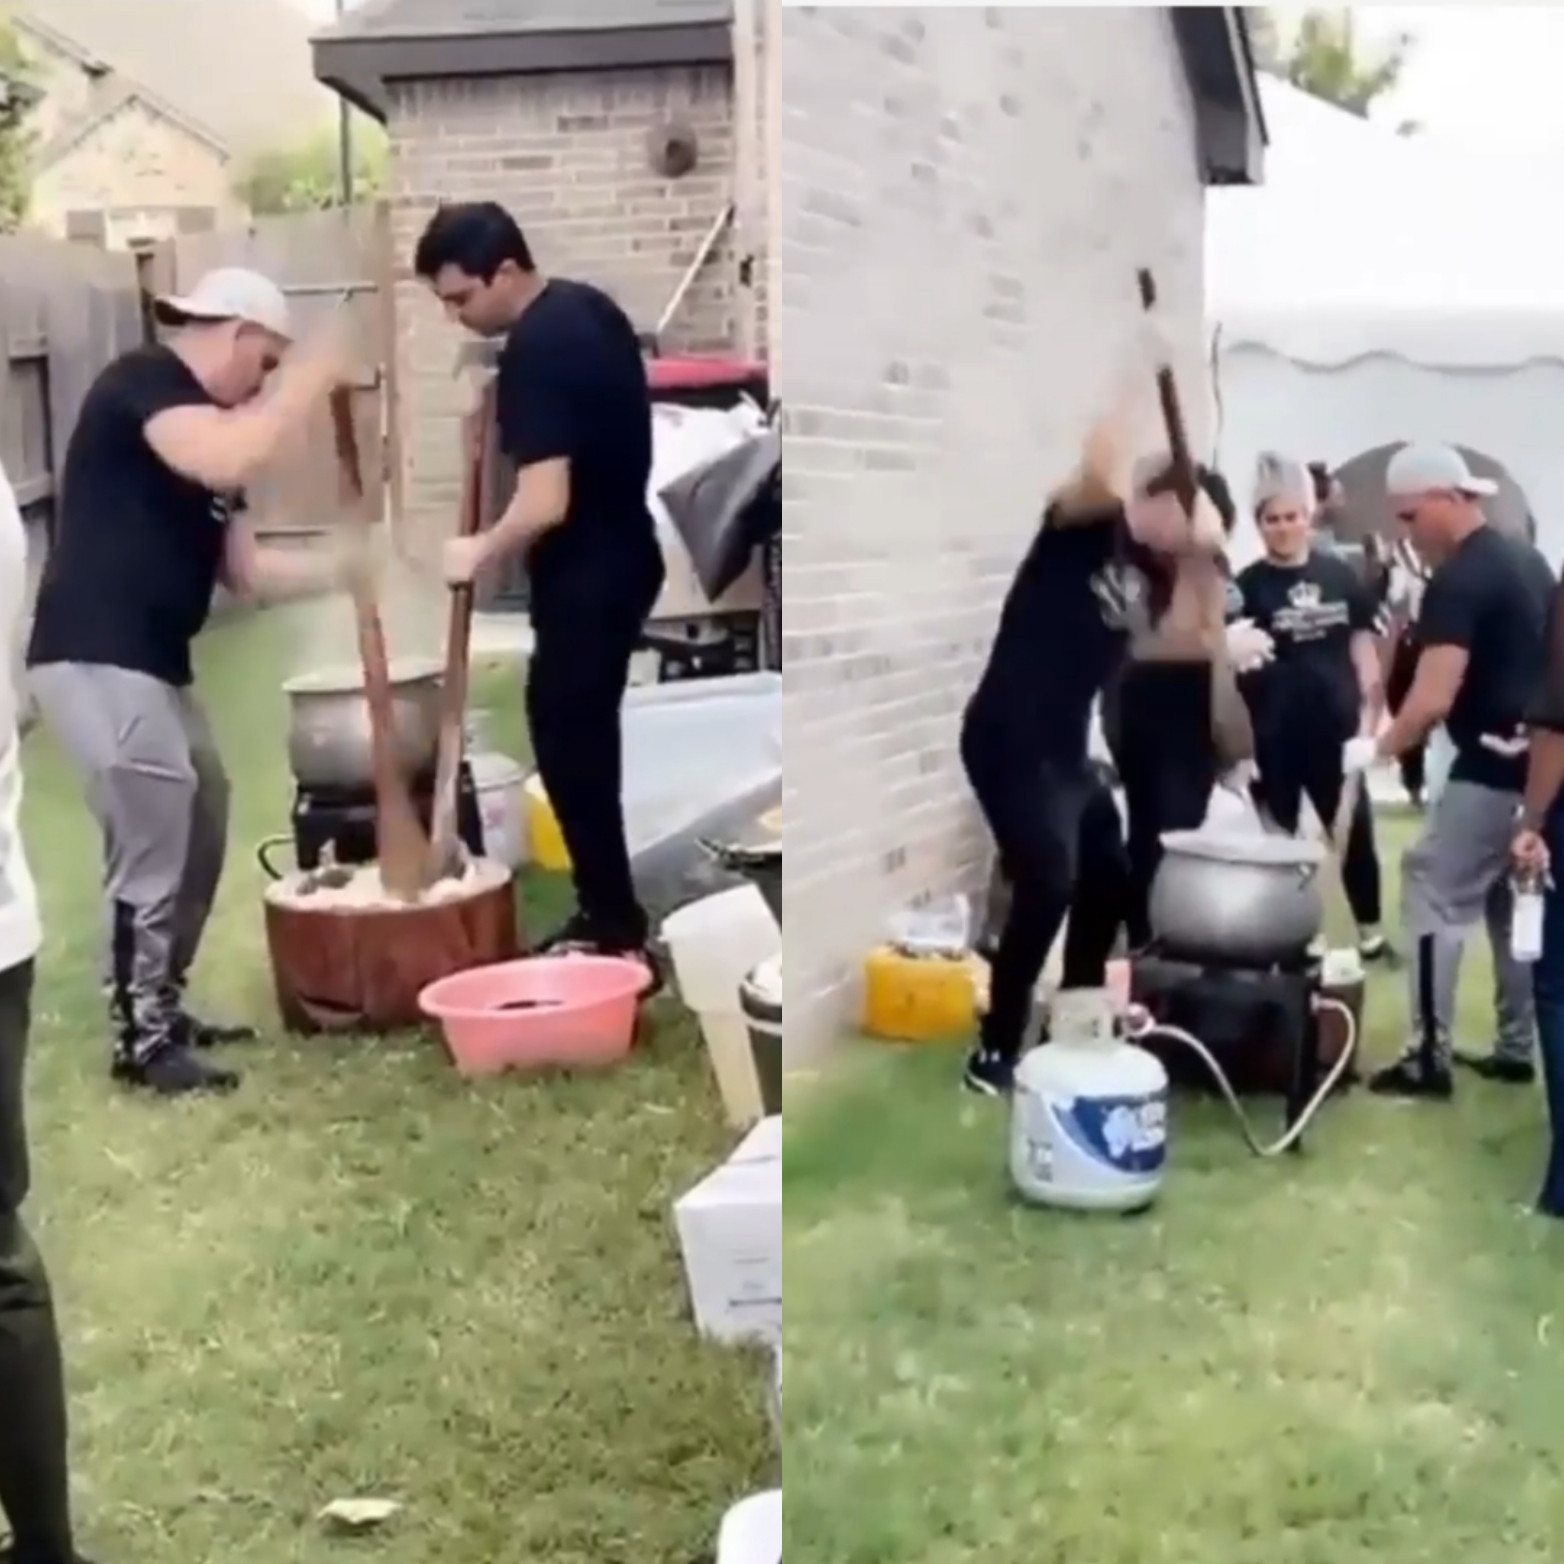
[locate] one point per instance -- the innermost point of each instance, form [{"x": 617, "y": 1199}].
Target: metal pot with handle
[
  {"x": 1237, "y": 897},
  {"x": 329, "y": 735}
]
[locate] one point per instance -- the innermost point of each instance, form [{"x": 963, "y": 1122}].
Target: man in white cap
[
  {"x": 1481, "y": 639},
  {"x": 150, "y": 521}
]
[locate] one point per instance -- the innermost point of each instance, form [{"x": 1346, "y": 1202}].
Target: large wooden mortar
[{"x": 339, "y": 967}]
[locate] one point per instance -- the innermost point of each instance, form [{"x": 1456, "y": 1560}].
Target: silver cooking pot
[
  {"x": 329, "y": 740},
  {"x": 1237, "y": 898}
]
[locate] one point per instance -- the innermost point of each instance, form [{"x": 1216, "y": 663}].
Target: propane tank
[{"x": 1088, "y": 1126}]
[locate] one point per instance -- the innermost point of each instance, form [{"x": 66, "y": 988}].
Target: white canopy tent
[{"x": 1378, "y": 289}]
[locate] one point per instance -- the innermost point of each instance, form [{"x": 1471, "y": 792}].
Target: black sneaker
[
  {"x": 1410, "y": 1076},
  {"x": 989, "y": 1073},
  {"x": 1495, "y": 1067},
  {"x": 574, "y": 934},
  {"x": 175, "y": 1071},
  {"x": 196, "y": 1033},
  {"x": 1378, "y": 950}
]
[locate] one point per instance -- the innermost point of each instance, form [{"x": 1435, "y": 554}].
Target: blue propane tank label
[
  {"x": 1093, "y": 1151},
  {"x": 1126, "y": 1135}
]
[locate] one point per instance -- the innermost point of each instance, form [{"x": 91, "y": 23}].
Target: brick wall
[
  {"x": 966, "y": 196},
  {"x": 568, "y": 155}
]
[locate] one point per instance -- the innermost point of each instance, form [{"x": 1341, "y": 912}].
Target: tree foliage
[
  {"x": 1326, "y": 57},
  {"x": 16, "y": 140},
  {"x": 307, "y": 177}
]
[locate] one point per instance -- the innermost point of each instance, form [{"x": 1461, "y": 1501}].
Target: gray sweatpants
[
  {"x": 160, "y": 795},
  {"x": 1453, "y": 878}
]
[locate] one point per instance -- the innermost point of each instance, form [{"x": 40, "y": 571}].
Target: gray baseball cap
[{"x": 1431, "y": 469}]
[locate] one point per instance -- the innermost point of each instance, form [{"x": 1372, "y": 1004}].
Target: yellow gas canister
[
  {"x": 920, "y": 999},
  {"x": 548, "y": 841}
]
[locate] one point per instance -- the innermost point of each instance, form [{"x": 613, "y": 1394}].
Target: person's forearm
[
  {"x": 280, "y": 575},
  {"x": 1411, "y": 725},
  {"x": 517, "y": 530},
  {"x": 1544, "y": 777},
  {"x": 1371, "y": 688},
  {"x": 260, "y": 429}
]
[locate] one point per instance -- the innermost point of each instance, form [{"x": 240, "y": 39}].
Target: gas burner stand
[{"x": 1169, "y": 989}]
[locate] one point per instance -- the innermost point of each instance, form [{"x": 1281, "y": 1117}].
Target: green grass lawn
[
  {"x": 1354, "y": 1355},
  {"x": 362, "y": 1276}
]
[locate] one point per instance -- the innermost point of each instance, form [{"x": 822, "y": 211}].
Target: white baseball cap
[
  {"x": 1430, "y": 469},
  {"x": 230, "y": 293}
]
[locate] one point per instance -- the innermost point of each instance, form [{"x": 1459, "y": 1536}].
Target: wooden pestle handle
[
  {"x": 1183, "y": 462},
  {"x": 399, "y": 838},
  {"x": 458, "y": 643}
]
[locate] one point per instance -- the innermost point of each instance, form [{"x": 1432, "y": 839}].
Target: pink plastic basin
[{"x": 537, "y": 1013}]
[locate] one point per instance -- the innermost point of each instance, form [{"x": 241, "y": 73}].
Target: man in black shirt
[
  {"x": 166, "y": 440},
  {"x": 1480, "y": 635},
  {"x": 575, "y": 418},
  {"x": 1322, "y": 684},
  {"x": 1083, "y": 588}
]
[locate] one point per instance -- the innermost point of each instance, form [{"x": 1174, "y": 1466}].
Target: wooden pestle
[
  {"x": 400, "y": 843},
  {"x": 444, "y": 839}
]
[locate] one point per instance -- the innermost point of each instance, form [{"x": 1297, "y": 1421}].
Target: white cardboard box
[{"x": 730, "y": 1231}]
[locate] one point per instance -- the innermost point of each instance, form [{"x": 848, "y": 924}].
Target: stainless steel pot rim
[
  {"x": 346, "y": 678},
  {"x": 1246, "y": 850}
]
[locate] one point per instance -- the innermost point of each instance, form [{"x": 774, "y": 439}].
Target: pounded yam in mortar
[{"x": 366, "y": 891}]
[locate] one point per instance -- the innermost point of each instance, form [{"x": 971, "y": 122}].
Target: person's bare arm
[
  {"x": 541, "y": 502},
  {"x": 1371, "y": 684},
  {"x": 256, "y": 570},
  {"x": 223, "y": 448},
  {"x": 1437, "y": 682}
]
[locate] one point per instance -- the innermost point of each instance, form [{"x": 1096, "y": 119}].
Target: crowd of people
[
  {"x": 1271, "y": 682},
  {"x": 151, "y": 520}
]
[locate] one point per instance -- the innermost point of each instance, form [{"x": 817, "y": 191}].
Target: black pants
[
  {"x": 576, "y": 685},
  {"x": 33, "y": 1475},
  {"x": 1061, "y": 849},
  {"x": 1296, "y": 764},
  {"x": 1167, "y": 762}
]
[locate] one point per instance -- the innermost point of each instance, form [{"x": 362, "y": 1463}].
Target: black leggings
[
  {"x": 1062, "y": 850},
  {"x": 1295, "y": 766},
  {"x": 1167, "y": 763}
]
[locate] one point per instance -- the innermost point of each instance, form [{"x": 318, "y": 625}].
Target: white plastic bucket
[
  {"x": 715, "y": 943},
  {"x": 752, "y": 1531},
  {"x": 498, "y": 782}
]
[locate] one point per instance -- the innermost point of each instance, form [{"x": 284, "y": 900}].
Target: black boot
[{"x": 174, "y": 1070}]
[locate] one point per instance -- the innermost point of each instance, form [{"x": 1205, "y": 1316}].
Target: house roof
[
  {"x": 384, "y": 41},
  {"x": 168, "y": 52}
]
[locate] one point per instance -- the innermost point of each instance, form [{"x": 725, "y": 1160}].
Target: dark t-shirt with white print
[
  {"x": 138, "y": 548},
  {"x": 1312, "y": 611},
  {"x": 1079, "y": 594}
]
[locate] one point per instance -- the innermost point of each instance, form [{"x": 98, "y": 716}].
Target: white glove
[
  {"x": 1239, "y": 779},
  {"x": 1358, "y": 754},
  {"x": 1248, "y": 646}
]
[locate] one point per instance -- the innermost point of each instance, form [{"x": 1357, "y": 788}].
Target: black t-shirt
[
  {"x": 137, "y": 549},
  {"x": 572, "y": 383},
  {"x": 1079, "y": 593},
  {"x": 1311, "y": 611},
  {"x": 1490, "y": 598}
]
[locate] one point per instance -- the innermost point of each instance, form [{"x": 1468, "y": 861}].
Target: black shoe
[
  {"x": 173, "y": 1071},
  {"x": 1494, "y": 1067},
  {"x": 196, "y": 1033},
  {"x": 989, "y": 1072},
  {"x": 1380, "y": 952},
  {"x": 575, "y": 933},
  {"x": 1409, "y": 1076}
]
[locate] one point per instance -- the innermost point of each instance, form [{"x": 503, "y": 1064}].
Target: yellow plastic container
[
  {"x": 548, "y": 841},
  {"x": 919, "y": 999}
]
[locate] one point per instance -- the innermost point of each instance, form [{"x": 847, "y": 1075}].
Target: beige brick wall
[
  {"x": 141, "y": 163},
  {"x": 568, "y": 155},
  {"x": 967, "y": 194}
]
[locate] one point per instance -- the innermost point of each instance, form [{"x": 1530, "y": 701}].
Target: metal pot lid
[
  {"x": 347, "y": 678},
  {"x": 1252, "y": 849}
]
